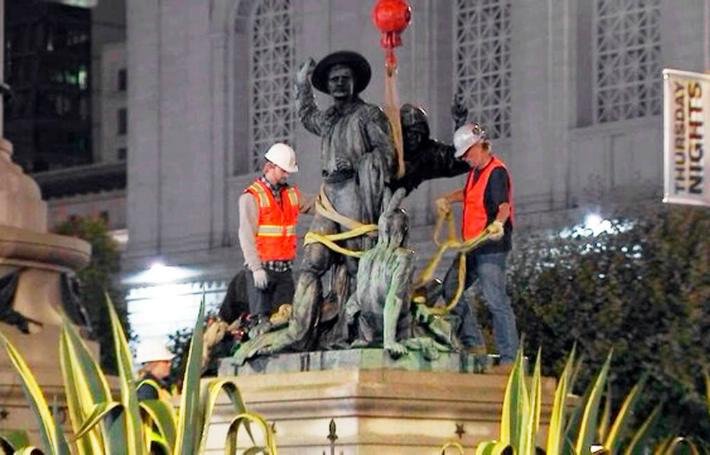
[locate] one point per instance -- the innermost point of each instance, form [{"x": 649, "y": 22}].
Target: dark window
[
  {"x": 122, "y": 153},
  {"x": 122, "y": 121},
  {"x": 104, "y": 216},
  {"x": 122, "y": 80},
  {"x": 48, "y": 65}
]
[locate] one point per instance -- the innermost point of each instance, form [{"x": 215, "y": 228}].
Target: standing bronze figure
[{"x": 357, "y": 164}]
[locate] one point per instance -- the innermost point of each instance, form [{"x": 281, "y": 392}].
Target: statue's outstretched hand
[
  {"x": 459, "y": 112},
  {"x": 342, "y": 164},
  {"x": 395, "y": 349},
  {"x": 304, "y": 72}
]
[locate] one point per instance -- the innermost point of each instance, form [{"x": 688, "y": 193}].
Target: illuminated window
[{"x": 82, "y": 78}]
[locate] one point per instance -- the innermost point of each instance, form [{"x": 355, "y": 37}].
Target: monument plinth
[{"x": 366, "y": 403}]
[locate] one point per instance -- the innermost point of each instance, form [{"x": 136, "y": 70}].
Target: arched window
[
  {"x": 627, "y": 59},
  {"x": 271, "y": 109},
  {"x": 482, "y": 34}
]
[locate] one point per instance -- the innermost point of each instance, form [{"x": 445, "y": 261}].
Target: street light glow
[
  {"x": 593, "y": 221},
  {"x": 159, "y": 273}
]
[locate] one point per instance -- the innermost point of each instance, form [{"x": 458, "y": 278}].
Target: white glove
[
  {"x": 496, "y": 230},
  {"x": 260, "y": 279}
]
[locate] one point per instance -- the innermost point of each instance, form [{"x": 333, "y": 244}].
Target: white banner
[{"x": 686, "y": 137}]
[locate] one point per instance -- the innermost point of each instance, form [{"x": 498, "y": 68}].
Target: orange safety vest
[
  {"x": 475, "y": 217},
  {"x": 276, "y": 233}
]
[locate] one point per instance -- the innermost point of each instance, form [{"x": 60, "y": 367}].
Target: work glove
[
  {"x": 304, "y": 72},
  {"x": 260, "y": 279},
  {"x": 443, "y": 206},
  {"x": 496, "y": 230}
]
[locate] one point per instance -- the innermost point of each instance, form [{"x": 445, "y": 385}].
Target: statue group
[{"x": 356, "y": 287}]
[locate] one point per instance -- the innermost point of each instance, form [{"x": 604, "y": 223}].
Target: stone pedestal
[
  {"x": 357, "y": 359},
  {"x": 39, "y": 258},
  {"x": 373, "y": 410},
  {"x": 21, "y": 203}
]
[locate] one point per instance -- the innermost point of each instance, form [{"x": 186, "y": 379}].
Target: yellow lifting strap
[
  {"x": 356, "y": 228},
  {"x": 325, "y": 208},
  {"x": 452, "y": 242}
]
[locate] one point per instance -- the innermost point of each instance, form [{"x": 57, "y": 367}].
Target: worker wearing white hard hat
[
  {"x": 268, "y": 215},
  {"x": 487, "y": 209},
  {"x": 283, "y": 156},
  {"x": 156, "y": 362}
]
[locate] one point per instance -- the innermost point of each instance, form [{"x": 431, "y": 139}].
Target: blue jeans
[{"x": 490, "y": 271}]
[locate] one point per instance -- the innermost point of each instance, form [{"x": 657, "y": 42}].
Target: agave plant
[
  {"x": 102, "y": 424},
  {"x": 588, "y": 428}
]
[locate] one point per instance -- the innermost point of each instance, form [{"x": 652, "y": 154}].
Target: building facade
[
  {"x": 48, "y": 64},
  {"x": 114, "y": 100},
  {"x": 570, "y": 91},
  {"x": 67, "y": 118},
  {"x": 109, "y": 78}
]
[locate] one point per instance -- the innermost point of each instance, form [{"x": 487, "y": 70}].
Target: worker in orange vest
[
  {"x": 487, "y": 202},
  {"x": 268, "y": 214}
]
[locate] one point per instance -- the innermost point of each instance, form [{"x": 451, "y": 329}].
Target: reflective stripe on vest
[
  {"x": 292, "y": 196},
  {"x": 260, "y": 193},
  {"x": 276, "y": 238},
  {"x": 475, "y": 217}
]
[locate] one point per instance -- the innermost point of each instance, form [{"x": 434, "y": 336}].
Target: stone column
[
  {"x": 144, "y": 128},
  {"x": 682, "y": 35},
  {"x": 530, "y": 95}
]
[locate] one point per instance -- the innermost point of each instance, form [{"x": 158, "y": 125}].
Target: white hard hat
[
  {"x": 283, "y": 156},
  {"x": 467, "y": 136},
  {"x": 153, "y": 351}
]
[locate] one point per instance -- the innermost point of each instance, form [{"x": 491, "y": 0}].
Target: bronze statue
[
  {"x": 426, "y": 158},
  {"x": 380, "y": 305},
  {"x": 357, "y": 162},
  {"x": 381, "y": 311},
  {"x": 357, "y": 159}
]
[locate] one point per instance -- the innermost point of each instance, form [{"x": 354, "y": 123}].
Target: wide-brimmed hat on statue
[{"x": 361, "y": 70}]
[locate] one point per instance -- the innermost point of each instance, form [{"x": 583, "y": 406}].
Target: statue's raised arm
[{"x": 311, "y": 117}]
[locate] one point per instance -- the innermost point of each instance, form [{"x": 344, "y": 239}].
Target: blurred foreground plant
[
  {"x": 102, "y": 424},
  {"x": 578, "y": 425},
  {"x": 96, "y": 280}
]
